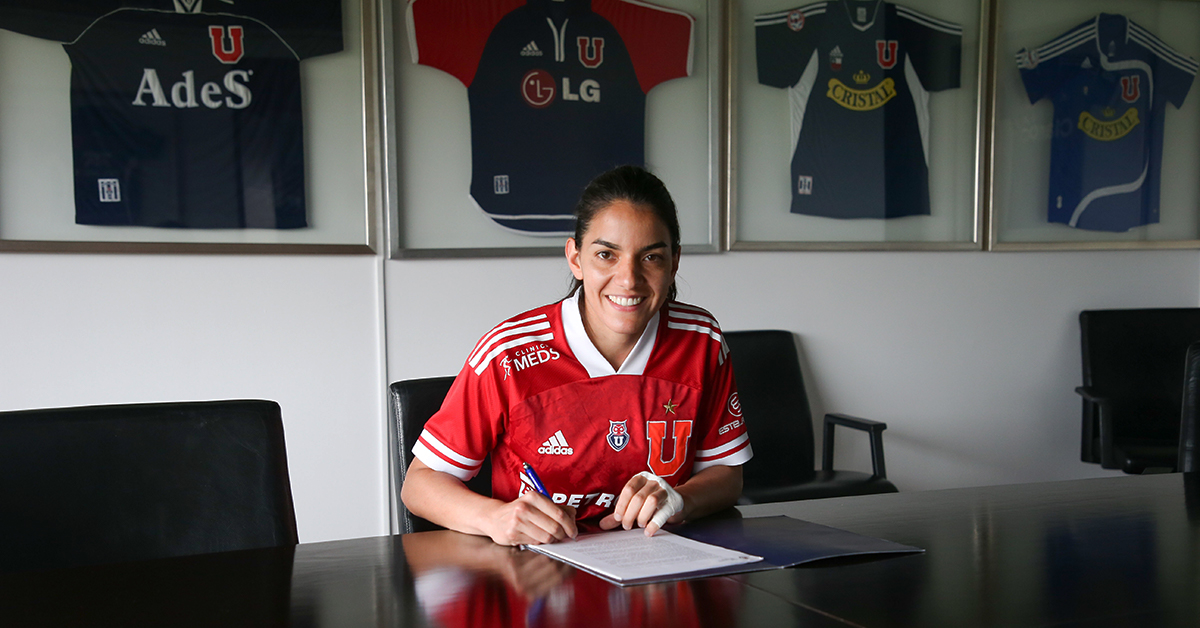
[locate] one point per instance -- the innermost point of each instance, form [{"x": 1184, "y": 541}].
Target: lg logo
[{"x": 539, "y": 89}]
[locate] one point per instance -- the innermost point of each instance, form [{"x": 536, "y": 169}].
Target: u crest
[
  {"x": 591, "y": 51},
  {"x": 885, "y": 52},
  {"x": 1131, "y": 88},
  {"x": 226, "y": 43},
  {"x": 656, "y": 433}
]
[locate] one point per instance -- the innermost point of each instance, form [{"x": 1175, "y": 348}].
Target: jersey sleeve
[
  {"x": 1041, "y": 69},
  {"x": 724, "y": 440},
  {"x": 659, "y": 40},
  {"x": 934, "y": 47},
  {"x": 459, "y": 436},
  {"x": 310, "y": 28},
  {"x": 55, "y": 20},
  {"x": 1175, "y": 70},
  {"x": 784, "y": 41},
  {"x": 450, "y": 35}
]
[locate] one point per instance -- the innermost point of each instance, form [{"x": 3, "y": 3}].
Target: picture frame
[
  {"x": 37, "y": 212},
  {"x": 427, "y": 148},
  {"x": 1023, "y": 215},
  {"x": 759, "y": 215}
]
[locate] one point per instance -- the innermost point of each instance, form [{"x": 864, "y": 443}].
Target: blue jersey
[
  {"x": 183, "y": 118},
  {"x": 557, "y": 93},
  {"x": 1110, "y": 81},
  {"x": 858, "y": 73}
]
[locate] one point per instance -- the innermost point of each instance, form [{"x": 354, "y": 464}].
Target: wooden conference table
[{"x": 1120, "y": 551}]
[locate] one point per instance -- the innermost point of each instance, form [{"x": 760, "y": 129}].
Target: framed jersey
[
  {"x": 503, "y": 110},
  {"x": 185, "y": 125},
  {"x": 1097, "y": 127},
  {"x": 857, "y": 125}
]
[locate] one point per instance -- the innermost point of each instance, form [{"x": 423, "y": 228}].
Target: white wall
[
  {"x": 302, "y": 330},
  {"x": 971, "y": 358}
]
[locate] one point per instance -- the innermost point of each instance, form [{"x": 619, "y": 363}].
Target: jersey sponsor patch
[
  {"x": 538, "y": 89},
  {"x": 507, "y": 336},
  {"x": 729, "y": 427}
]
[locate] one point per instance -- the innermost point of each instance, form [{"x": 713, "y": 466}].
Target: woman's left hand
[{"x": 646, "y": 501}]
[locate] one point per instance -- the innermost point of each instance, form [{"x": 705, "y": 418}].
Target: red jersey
[{"x": 535, "y": 389}]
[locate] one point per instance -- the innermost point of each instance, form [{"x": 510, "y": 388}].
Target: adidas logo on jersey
[
  {"x": 531, "y": 50},
  {"x": 556, "y": 445},
  {"x": 152, "y": 38}
]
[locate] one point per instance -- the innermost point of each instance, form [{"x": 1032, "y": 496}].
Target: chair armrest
[
  {"x": 874, "y": 428},
  {"x": 1097, "y": 417}
]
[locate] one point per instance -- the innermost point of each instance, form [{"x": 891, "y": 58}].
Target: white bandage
[{"x": 667, "y": 509}]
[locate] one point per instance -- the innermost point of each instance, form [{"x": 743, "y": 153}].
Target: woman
[{"x": 620, "y": 398}]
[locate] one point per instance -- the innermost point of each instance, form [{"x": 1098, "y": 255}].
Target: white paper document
[{"x": 631, "y": 557}]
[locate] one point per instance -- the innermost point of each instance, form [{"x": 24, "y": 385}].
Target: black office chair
[
  {"x": 101, "y": 484},
  {"x": 1132, "y": 377},
  {"x": 775, "y": 405},
  {"x": 413, "y": 401},
  {"x": 1189, "y": 423}
]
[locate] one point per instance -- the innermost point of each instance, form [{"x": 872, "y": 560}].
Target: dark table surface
[{"x": 1121, "y": 551}]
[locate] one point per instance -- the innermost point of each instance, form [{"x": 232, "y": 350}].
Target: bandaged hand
[
  {"x": 646, "y": 501},
  {"x": 670, "y": 507}
]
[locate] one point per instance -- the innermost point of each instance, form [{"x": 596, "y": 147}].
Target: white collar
[{"x": 587, "y": 353}]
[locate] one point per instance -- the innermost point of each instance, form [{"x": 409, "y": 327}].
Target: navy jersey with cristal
[
  {"x": 186, "y": 118},
  {"x": 557, "y": 93},
  {"x": 859, "y": 73},
  {"x": 1110, "y": 81}
]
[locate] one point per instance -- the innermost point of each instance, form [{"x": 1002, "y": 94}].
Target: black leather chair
[
  {"x": 413, "y": 401},
  {"x": 1132, "y": 376},
  {"x": 775, "y": 405},
  {"x": 1189, "y": 424},
  {"x": 101, "y": 484}
]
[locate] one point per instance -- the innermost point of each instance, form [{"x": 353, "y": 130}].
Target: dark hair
[{"x": 626, "y": 183}]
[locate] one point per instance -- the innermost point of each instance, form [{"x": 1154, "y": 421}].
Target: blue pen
[{"x": 533, "y": 477}]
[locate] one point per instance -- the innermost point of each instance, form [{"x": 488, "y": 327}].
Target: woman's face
[{"x": 627, "y": 266}]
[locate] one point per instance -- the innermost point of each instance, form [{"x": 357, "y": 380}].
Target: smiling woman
[{"x": 625, "y": 412}]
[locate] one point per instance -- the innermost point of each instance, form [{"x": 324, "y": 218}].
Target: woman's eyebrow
[{"x": 610, "y": 245}]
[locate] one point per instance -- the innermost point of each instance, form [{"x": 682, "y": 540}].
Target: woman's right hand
[
  {"x": 531, "y": 519},
  {"x": 443, "y": 499}
]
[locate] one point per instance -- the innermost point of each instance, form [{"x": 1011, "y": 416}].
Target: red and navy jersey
[
  {"x": 1110, "y": 81},
  {"x": 189, "y": 118},
  {"x": 859, "y": 73},
  {"x": 535, "y": 389},
  {"x": 556, "y": 91}
]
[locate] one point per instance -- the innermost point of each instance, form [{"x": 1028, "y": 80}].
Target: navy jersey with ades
[
  {"x": 859, "y": 73},
  {"x": 184, "y": 118},
  {"x": 1110, "y": 81},
  {"x": 557, "y": 93}
]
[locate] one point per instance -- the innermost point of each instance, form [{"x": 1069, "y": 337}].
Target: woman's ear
[{"x": 573, "y": 259}]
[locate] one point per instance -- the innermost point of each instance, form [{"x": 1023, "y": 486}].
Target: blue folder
[{"x": 784, "y": 542}]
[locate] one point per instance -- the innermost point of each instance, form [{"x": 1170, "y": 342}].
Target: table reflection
[{"x": 463, "y": 580}]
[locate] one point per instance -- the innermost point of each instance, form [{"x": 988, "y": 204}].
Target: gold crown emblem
[
  {"x": 861, "y": 77},
  {"x": 1108, "y": 112}
]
